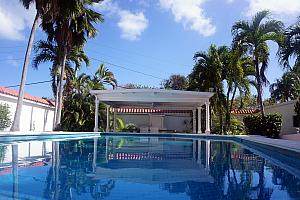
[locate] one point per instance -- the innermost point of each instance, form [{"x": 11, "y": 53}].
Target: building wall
[
  {"x": 286, "y": 109},
  {"x": 171, "y": 121},
  {"x": 34, "y": 117}
]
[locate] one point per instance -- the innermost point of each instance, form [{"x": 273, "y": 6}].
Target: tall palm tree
[
  {"x": 208, "y": 72},
  {"x": 42, "y": 7},
  {"x": 46, "y": 51},
  {"x": 254, "y": 35},
  {"x": 70, "y": 28}
]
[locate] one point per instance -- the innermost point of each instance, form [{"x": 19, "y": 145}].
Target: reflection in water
[{"x": 140, "y": 168}]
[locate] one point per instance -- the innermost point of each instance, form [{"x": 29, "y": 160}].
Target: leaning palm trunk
[
  {"x": 60, "y": 88},
  {"x": 16, "y": 123},
  {"x": 229, "y": 109},
  {"x": 56, "y": 107}
]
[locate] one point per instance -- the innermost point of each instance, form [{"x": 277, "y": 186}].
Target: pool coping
[{"x": 290, "y": 148}]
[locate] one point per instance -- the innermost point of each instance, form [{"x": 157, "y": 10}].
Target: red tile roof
[
  {"x": 244, "y": 111},
  {"x": 15, "y": 93}
]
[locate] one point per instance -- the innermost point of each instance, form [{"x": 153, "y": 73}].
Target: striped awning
[
  {"x": 146, "y": 110},
  {"x": 244, "y": 111}
]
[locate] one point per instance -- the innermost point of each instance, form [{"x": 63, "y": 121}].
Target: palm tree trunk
[
  {"x": 16, "y": 123},
  {"x": 227, "y": 115},
  {"x": 231, "y": 105},
  {"x": 60, "y": 94},
  {"x": 220, "y": 111},
  {"x": 259, "y": 90},
  {"x": 232, "y": 98},
  {"x": 56, "y": 106}
]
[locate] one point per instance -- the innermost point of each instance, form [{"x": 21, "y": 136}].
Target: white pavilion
[{"x": 154, "y": 102}]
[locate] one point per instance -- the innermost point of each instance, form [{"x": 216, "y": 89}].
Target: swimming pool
[{"x": 119, "y": 167}]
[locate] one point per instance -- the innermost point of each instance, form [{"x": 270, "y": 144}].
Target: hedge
[{"x": 268, "y": 126}]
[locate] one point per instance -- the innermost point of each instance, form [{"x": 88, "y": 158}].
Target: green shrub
[
  {"x": 130, "y": 127},
  {"x": 5, "y": 121},
  {"x": 268, "y": 126},
  {"x": 237, "y": 127}
]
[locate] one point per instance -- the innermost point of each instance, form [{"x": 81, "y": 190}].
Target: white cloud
[
  {"x": 191, "y": 14},
  {"x": 278, "y": 7},
  {"x": 131, "y": 24},
  {"x": 14, "y": 19}
]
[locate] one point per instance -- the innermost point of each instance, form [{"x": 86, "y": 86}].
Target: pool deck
[{"x": 279, "y": 143}]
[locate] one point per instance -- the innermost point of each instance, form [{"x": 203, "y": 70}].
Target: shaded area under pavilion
[{"x": 155, "y": 100}]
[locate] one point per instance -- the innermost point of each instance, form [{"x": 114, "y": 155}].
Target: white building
[
  {"x": 37, "y": 113},
  {"x": 287, "y": 110}
]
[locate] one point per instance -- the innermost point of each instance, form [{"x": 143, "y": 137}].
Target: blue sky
[{"x": 154, "y": 37}]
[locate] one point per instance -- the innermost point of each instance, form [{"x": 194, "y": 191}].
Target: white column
[
  {"x": 15, "y": 163},
  {"x": 194, "y": 121},
  {"x": 199, "y": 152},
  {"x": 107, "y": 118},
  {"x": 199, "y": 120},
  {"x": 96, "y": 128},
  {"x": 106, "y": 148},
  {"x": 207, "y": 113},
  {"x": 194, "y": 149},
  {"x": 115, "y": 120},
  {"x": 95, "y": 155},
  {"x": 207, "y": 156}
]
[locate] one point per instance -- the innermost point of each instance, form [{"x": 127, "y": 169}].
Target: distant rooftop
[
  {"x": 244, "y": 111},
  {"x": 15, "y": 93}
]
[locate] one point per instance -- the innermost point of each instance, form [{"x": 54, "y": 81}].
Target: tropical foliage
[
  {"x": 224, "y": 71},
  {"x": 79, "y": 105},
  {"x": 290, "y": 47},
  {"x": 286, "y": 88},
  {"x": 254, "y": 35},
  {"x": 135, "y": 86},
  {"x": 175, "y": 82},
  {"x": 5, "y": 121}
]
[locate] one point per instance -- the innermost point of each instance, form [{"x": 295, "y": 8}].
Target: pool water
[{"x": 141, "y": 168}]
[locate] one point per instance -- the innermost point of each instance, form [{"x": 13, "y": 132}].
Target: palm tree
[
  {"x": 79, "y": 105},
  {"x": 208, "y": 72},
  {"x": 290, "y": 47},
  {"x": 254, "y": 36},
  {"x": 238, "y": 72},
  {"x": 46, "y": 51},
  {"x": 101, "y": 77},
  {"x": 287, "y": 88},
  {"x": 70, "y": 28},
  {"x": 42, "y": 7}
]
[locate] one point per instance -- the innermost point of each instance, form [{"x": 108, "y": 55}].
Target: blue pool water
[{"x": 140, "y": 168}]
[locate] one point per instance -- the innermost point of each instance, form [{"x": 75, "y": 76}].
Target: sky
[{"x": 140, "y": 41}]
